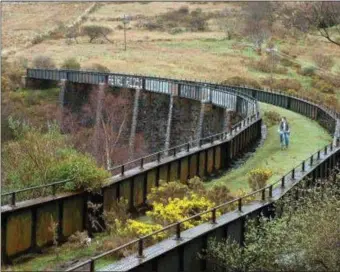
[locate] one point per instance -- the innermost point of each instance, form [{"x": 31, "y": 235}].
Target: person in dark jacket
[{"x": 284, "y": 131}]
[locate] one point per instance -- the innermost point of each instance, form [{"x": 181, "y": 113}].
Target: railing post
[
  {"x": 200, "y": 142},
  {"x": 159, "y": 157},
  {"x": 311, "y": 160},
  {"x": 92, "y": 266},
  {"x": 271, "y": 191},
  {"x": 188, "y": 147},
  {"x": 318, "y": 155},
  {"x": 178, "y": 231},
  {"x": 293, "y": 173},
  {"x": 303, "y": 166},
  {"x": 213, "y": 216},
  {"x": 122, "y": 170},
  {"x": 141, "y": 163},
  {"x": 174, "y": 151},
  {"x": 331, "y": 147},
  {"x": 263, "y": 194},
  {"x": 13, "y": 199},
  {"x": 140, "y": 248},
  {"x": 240, "y": 204},
  {"x": 325, "y": 150},
  {"x": 283, "y": 182},
  {"x": 54, "y": 189},
  {"x": 212, "y": 140}
]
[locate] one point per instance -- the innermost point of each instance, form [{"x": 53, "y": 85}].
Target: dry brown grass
[
  {"x": 22, "y": 21},
  {"x": 115, "y": 10},
  {"x": 184, "y": 55}
]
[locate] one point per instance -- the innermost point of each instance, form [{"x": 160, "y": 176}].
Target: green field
[{"x": 306, "y": 138}]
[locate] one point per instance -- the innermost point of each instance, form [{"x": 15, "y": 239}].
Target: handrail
[
  {"x": 53, "y": 185},
  {"x": 141, "y": 160},
  {"x": 213, "y": 210},
  {"x": 236, "y": 89}
]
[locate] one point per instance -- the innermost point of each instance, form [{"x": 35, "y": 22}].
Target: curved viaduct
[{"x": 133, "y": 180}]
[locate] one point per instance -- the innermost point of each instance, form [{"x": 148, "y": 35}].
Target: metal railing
[
  {"x": 197, "y": 90},
  {"x": 155, "y": 157},
  {"x": 13, "y": 194},
  {"x": 265, "y": 192},
  {"x": 187, "y": 147}
]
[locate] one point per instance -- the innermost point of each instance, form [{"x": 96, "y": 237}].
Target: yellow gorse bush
[
  {"x": 134, "y": 228},
  {"x": 179, "y": 209},
  {"x": 258, "y": 178}
]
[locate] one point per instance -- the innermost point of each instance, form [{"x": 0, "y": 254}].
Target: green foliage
[
  {"x": 165, "y": 192},
  {"x": 307, "y": 71},
  {"x": 178, "y": 209},
  {"x": 71, "y": 63},
  {"x": 81, "y": 168},
  {"x": 271, "y": 118},
  {"x": 257, "y": 178},
  {"x": 305, "y": 238},
  {"x": 36, "y": 158}
]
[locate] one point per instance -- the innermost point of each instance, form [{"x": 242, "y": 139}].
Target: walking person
[{"x": 284, "y": 131}]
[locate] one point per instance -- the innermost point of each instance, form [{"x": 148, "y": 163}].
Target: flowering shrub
[
  {"x": 163, "y": 193},
  {"x": 258, "y": 178},
  {"x": 178, "y": 209}
]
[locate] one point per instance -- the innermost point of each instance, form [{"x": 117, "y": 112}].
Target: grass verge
[{"x": 306, "y": 138}]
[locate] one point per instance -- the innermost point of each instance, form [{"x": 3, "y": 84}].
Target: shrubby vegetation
[
  {"x": 271, "y": 118},
  {"x": 36, "y": 158},
  {"x": 305, "y": 238},
  {"x": 176, "y": 21},
  {"x": 71, "y": 63},
  {"x": 97, "y": 67},
  {"x": 43, "y": 62},
  {"x": 239, "y": 81},
  {"x": 178, "y": 209},
  {"x": 258, "y": 178},
  {"x": 96, "y": 31}
]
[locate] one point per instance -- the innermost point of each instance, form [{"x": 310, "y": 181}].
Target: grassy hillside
[{"x": 160, "y": 41}]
